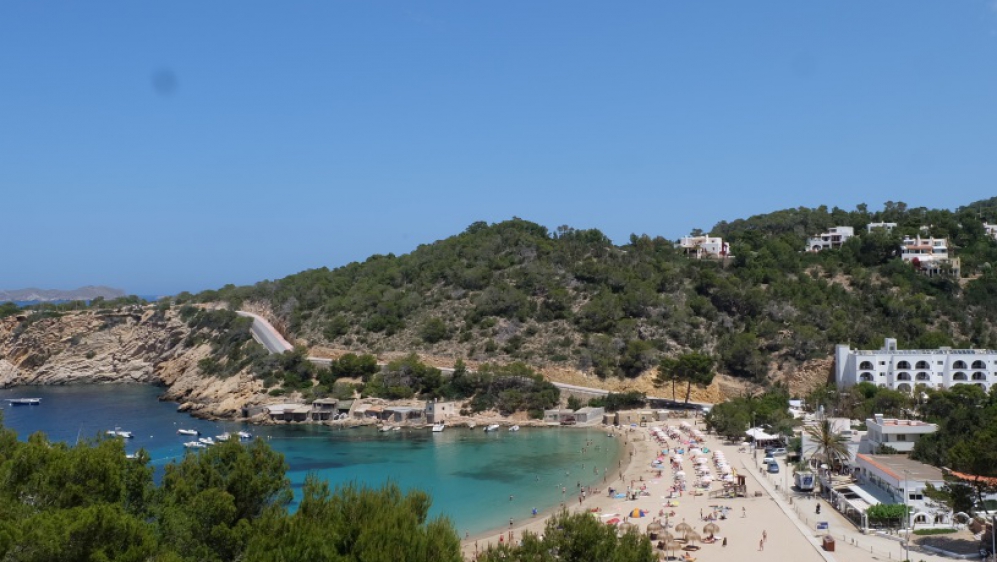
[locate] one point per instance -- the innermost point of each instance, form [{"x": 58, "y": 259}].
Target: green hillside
[{"x": 515, "y": 291}]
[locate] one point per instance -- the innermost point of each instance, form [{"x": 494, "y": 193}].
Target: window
[
  {"x": 903, "y": 365},
  {"x": 901, "y": 437}
]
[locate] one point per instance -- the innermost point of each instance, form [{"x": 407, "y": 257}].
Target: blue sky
[{"x": 169, "y": 146}]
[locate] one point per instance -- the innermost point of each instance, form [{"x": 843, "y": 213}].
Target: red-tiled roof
[
  {"x": 879, "y": 465},
  {"x": 990, "y": 480}
]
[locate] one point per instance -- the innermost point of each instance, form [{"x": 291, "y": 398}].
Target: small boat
[
  {"x": 438, "y": 428},
  {"x": 244, "y": 435},
  {"x": 188, "y": 432},
  {"x": 116, "y": 432},
  {"x": 195, "y": 445},
  {"x": 514, "y": 428},
  {"x": 206, "y": 440},
  {"x": 396, "y": 428},
  {"x": 223, "y": 437},
  {"x": 385, "y": 428},
  {"x": 131, "y": 456},
  {"x": 24, "y": 401},
  {"x": 492, "y": 427}
]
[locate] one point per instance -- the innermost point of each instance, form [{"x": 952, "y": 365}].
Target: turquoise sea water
[{"x": 469, "y": 473}]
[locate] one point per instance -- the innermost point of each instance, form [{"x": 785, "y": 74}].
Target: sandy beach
[{"x": 756, "y": 527}]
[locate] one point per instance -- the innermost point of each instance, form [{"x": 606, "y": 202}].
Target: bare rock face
[
  {"x": 8, "y": 373},
  {"x": 92, "y": 347},
  {"x": 134, "y": 345}
]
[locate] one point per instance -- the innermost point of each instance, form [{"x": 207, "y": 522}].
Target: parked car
[
  {"x": 775, "y": 452},
  {"x": 773, "y": 467},
  {"x": 768, "y": 460}
]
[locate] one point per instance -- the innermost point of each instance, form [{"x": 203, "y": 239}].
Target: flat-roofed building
[
  {"x": 437, "y": 412},
  {"x": 834, "y": 238},
  {"x": 904, "y": 481},
  {"x": 900, "y": 435},
  {"x": 930, "y": 256},
  {"x": 705, "y": 246},
  {"x": 887, "y": 226},
  {"x": 904, "y": 369}
]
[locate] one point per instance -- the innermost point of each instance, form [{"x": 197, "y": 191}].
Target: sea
[{"x": 480, "y": 480}]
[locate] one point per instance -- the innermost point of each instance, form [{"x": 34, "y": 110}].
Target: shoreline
[{"x": 536, "y": 525}]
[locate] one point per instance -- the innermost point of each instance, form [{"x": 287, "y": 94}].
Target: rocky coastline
[
  {"x": 146, "y": 345},
  {"x": 137, "y": 344}
]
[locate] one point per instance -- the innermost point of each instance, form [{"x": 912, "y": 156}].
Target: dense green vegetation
[
  {"x": 733, "y": 417},
  {"x": 575, "y": 538},
  {"x": 88, "y": 502},
  {"x": 514, "y": 291}
]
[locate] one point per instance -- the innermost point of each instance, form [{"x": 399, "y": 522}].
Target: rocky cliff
[{"x": 131, "y": 345}]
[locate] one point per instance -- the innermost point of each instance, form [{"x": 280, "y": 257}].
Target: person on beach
[
  {"x": 725, "y": 541},
  {"x": 534, "y": 512},
  {"x": 761, "y": 545}
]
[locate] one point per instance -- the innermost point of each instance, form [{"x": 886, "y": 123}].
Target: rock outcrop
[{"x": 132, "y": 345}]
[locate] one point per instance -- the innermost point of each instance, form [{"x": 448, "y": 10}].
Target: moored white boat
[
  {"x": 243, "y": 435},
  {"x": 188, "y": 432},
  {"x": 195, "y": 445},
  {"x": 223, "y": 437},
  {"x": 385, "y": 428},
  {"x": 492, "y": 427},
  {"x": 116, "y": 432},
  {"x": 206, "y": 440},
  {"x": 514, "y": 428},
  {"x": 24, "y": 401},
  {"x": 438, "y": 427}
]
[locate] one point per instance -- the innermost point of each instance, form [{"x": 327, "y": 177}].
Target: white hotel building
[{"x": 903, "y": 369}]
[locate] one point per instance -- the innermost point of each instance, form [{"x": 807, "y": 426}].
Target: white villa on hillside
[
  {"x": 991, "y": 230},
  {"x": 930, "y": 255},
  {"x": 705, "y": 246},
  {"x": 887, "y": 226},
  {"x": 831, "y": 239},
  {"x": 904, "y": 369}
]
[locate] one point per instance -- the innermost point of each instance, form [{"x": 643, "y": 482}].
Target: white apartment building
[
  {"x": 904, "y": 369},
  {"x": 930, "y": 255},
  {"x": 897, "y": 434},
  {"x": 705, "y": 246},
  {"x": 831, "y": 239},
  {"x": 887, "y": 226},
  {"x": 991, "y": 230}
]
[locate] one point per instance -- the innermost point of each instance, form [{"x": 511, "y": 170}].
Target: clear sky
[{"x": 168, "y": 146}]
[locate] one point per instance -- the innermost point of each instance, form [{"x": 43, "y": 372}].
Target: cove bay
[{"x": 470, "y": 474}]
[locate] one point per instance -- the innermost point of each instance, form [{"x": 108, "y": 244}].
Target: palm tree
[{"x": 828, "y": 443}]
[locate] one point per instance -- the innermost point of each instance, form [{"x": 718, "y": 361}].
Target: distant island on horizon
[{"x": 87, "y": 293}]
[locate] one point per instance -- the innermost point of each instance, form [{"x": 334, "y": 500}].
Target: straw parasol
[
  {"x": 666, "y": 536},
  {"x": 673, "y": 545},
  {"x": 683, "y": 527},
  {"x": 624, "y": 527},
  {"x": 711, "y": 528},
  {"x": 653, "y": 529},
  {"x": 692, "y": 536}
]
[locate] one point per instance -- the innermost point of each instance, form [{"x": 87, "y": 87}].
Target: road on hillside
[{"x": 268, "y": 336}]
